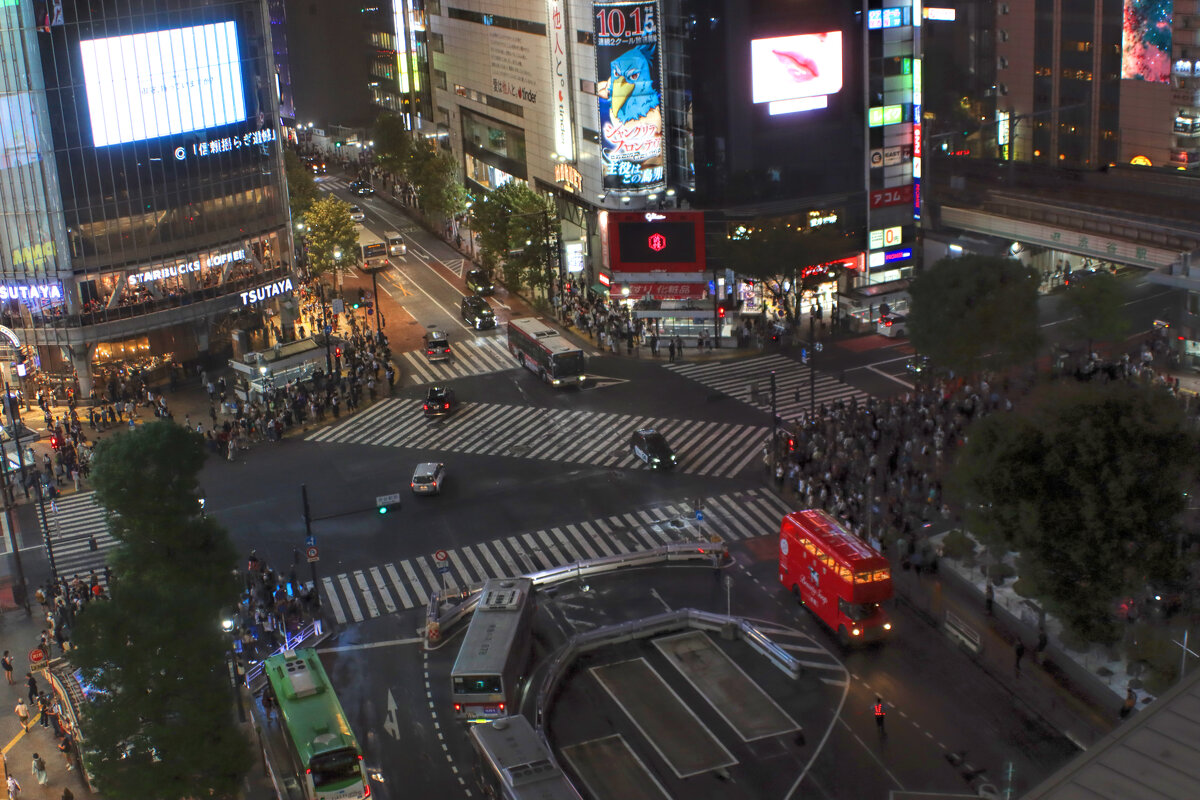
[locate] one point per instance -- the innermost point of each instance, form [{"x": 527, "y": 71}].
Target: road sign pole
[{"x": 316, "y": 595}]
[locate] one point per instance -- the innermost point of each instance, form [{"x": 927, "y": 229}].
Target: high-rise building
[{"x": 143, "y": 206}]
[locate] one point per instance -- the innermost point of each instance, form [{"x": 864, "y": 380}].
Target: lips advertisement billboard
[{"x": 629, "y": 88}]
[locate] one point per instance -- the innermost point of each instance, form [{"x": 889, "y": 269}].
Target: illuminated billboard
[
  {"x": 1146, "y": 41},
  {"x": 787, "y": 69},
  {"x": 656, "y": 242},
  {"x": 148, "y": 85},
  {"x": 629, "y": 88}
]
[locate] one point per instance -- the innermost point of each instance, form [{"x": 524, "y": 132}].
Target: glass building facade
[{"x": 141, "y": 179}]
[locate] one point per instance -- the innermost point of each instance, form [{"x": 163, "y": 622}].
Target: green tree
[
  {"x": 332, "y": 237},
  {"x": 302, "y": 189},
  {"x": 777, "y": 254},
  {"x": 1096, "y": 301},
  {"x": 393, "y": 144},
  {"x": 974, "y": 310},
  {"x": 1088, "y": 486},
  {"x": 160, "y": 723},
  {"x": 439, "y": 192},
  {"x": 518, "y": 228}
]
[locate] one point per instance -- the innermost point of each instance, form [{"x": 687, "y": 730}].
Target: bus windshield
[
  {"x": 336, "y": 768},
  {"x": 568, "y": 364},
  {"x": 858, "y": 611},
  {"x": 477, "y": 684}
]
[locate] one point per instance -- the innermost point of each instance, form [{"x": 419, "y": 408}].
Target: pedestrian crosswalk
[
  {"x": 79, "y": 536},
  {"x": 478, "y": 355},
  {"x": 796, "y": 385},
  {"x": 387, "y": 588},
  {"x": 718, "y": 449}
]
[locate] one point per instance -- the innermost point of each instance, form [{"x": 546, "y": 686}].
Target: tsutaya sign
[
  {"x": 267, "y": 292},
  {"x": 45, "y": 292},
  {"x": 218, "y": 260}
]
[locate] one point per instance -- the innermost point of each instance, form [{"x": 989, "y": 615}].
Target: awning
[{"x": 599, "y": 288}]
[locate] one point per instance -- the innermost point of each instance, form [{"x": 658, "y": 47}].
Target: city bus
[
  {"x": 374, "y": 249},
  {"x": 323, "y": 749},
  {"x": 486, "y": 679},
  {"x": 545, "y": 352},
  {"x": 843, "y": 580},
  {"x": 516, "y": 765}
]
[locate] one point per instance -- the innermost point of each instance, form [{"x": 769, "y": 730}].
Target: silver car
[{"x": 427, "y": 478}]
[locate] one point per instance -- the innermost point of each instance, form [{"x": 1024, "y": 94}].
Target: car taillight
[
  {"x": 427, "y": 406},
  {"x": 887, "y": 324},
  {"x": 447, "y": 405},
  {"x": 428, "y": 352}
]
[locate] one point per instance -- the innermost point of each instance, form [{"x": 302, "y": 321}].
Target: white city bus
[
  {"x": 374, "y": 249},
  {"x": 545, "y": 352},
  {"x": 486, "y": 677}
]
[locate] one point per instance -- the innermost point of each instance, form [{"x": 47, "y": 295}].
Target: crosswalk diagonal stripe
[
  {"x": 414, "y": 581},
  {"x": 331, "y": 600},
  {"x": 351, "y": 600},
  {"x": 582, "y": 541},
  {"x": 566, "y": 545},
  {"x": 603, "y": 546},
  {"x": 534, "y": 549},
  {"x": 514, "y": 568},
  {"x": 483, "y": 574},
  {"x": 493, "y": 568},
  {"x": 457, "y": 561},
  {"x": 365, "y": 591},
  {"x": 556, "y": 552},
  {"x": 384, "y": 594},
  {"x": 437, "y": 582},
  {"x": 398, "y": 584},
  {"x": 524, "y": 558}
]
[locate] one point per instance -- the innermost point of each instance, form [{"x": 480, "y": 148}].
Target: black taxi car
[
  {"x": 439, "y": 400},
  {"x": 650, "y": 447}
]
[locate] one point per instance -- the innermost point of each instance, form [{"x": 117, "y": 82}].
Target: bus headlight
[
  {"x": 887, "y": 626},
  {"x": 855, "y": 632}
]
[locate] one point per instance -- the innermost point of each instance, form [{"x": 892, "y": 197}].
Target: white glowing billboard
[
  {"x": 791, "y": 67},
  {"x": 148, "y": 85}
]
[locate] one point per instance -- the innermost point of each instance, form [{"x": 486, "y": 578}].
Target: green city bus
[{"x": 322, "y": 746}]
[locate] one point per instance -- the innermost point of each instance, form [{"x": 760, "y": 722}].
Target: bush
[
  {"x": 959, "y": 546},
  {"x": 1000, "y": 572}
]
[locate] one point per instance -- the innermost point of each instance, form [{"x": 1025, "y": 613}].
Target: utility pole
[{"x": 316, "y": 595}]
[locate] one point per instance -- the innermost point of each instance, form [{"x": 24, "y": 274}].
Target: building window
[
  {"x": 437, "y": 42},
  {"x": 439, "y": 78},
  {"x": 434, "y": 7}
]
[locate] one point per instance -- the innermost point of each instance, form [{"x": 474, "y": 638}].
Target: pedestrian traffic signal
[
  {"x": 721, "y": 312},
  {"x": 54, "y": 442},
  {"x": 387, "y": 502},
  {"x": 337, "y": 352},
  {"x": 803, "y": 355}
]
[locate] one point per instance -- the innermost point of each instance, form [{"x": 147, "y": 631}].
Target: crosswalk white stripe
[
  {"x": 636, "y": 529},
  {"x": 717, "y": 449},
  {"x": 555, "y": 551},
  {"x": 765, "y": 521},
  {"x": 331, "y": 599},
  {"x": 467, "y": 580},
  {"x": 496, "y": 570},
  {"x": 581, "y": 539},
  {"x": 605, "y": 547},
  {"x": 351, "y": 600},
  {"x": 565, "y": 434},
  {"x": 566, "y": 544},
  {"x": 728, "y": 521},
  {"x": 524, "y": 558},
  {"x": 384, "y": 594},
  {"x": 493, "y": 427},
  {"x": 476, "y": 565},
  {"x": 368, "y": 598},
  {"x": 438, "y": 581},
  {"x": 398, "y": 585},
  {"x": 513, "y": 568},
  {"x": 535, "y": 550},
  {"x": 414, "y": 581}
]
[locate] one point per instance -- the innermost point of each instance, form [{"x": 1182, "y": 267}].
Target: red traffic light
[
  {"x": 721, "y": 313},
  {"x": 337, "y": 352}
]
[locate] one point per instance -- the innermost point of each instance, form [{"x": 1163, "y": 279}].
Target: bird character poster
[{"x": 629, "y": 81}]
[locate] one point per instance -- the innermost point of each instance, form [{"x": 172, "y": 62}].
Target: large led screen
[
  {"x": 791, "y": 67},
  {"x": 629, "y": 88},
  {"x": 156, "y": 84},
  {"x": 1146, "y": 41}
]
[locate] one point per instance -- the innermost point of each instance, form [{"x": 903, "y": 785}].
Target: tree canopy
[
  {"x": 160, "y": 723},
  {"x": 778, "y": 254},
  {"x": 974, "y": 311},
  {"x": 517, "y": 228},
  {"x": 432, "y": 171},
  {"x": 1096, "y": 302},
  {"x": 1088, "y": 487},
  {"x": 302, "y": 189},
  {"x": 332, "y": 236}
]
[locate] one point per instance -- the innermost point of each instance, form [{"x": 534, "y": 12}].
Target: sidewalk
[{"x": 1055, "y": 690}]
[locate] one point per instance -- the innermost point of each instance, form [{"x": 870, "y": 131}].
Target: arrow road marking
[{"x": 390, "y": 724}]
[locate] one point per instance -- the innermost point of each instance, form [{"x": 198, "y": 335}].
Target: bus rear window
[
  {"x": 477, "y": 684},
  {"x": 333, "y": 769},
  {"x": 873, "y": 576}
]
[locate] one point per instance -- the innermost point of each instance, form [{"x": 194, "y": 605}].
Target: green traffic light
[{"x": 383, "y": 509}]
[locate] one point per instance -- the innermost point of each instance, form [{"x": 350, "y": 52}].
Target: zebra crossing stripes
[
  {"x": 793, "y": 391},
  {"x": 719, "y": 449},
  {"x": 384, "y": 589},
  {"x": 73, "y": 522},
  {"x": 476, "y": 356}
]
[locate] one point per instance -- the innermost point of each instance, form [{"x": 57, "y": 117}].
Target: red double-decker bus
[{"x": 841, "y": 578}]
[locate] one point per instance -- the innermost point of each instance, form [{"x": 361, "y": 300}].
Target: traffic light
[
  {"x": 54, "y": 443},
  {"x": 721, "y": 312},
  {"x": 386, "y": 503},
  {"x": 803, "y": 355},
  {"x": 337, "y": 352}
]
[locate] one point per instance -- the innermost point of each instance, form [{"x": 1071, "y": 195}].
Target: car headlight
[{"x": 657, "y": 459}]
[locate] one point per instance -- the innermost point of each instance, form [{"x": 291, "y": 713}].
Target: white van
[{"x": 395, "y": 244}]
